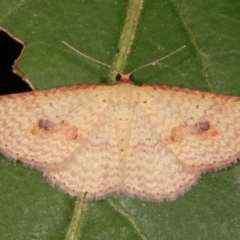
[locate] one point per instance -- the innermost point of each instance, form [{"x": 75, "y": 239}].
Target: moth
[{"x": 96, "y": 140}]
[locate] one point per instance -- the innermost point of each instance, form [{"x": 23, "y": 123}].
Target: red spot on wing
[
  {"x": 45, "y": 128},
  {"x": 201, "y": 130}
]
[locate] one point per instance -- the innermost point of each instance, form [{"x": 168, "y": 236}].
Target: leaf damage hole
[{"x": 10, "y": 51}]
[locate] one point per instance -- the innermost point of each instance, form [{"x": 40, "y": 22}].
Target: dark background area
[{"x": 10, "y": 51}]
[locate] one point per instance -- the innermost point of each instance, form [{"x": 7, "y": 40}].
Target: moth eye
[
  {"x": 131, "y": 77},
  {"x": 118, "y": 77}
]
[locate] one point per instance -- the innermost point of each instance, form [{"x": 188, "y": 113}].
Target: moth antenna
[
  {"x": 158, "y": 60},
  {"x": 93, "y": 59}
]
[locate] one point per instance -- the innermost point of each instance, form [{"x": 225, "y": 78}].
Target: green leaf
[{"x": 30, "y": 208}]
